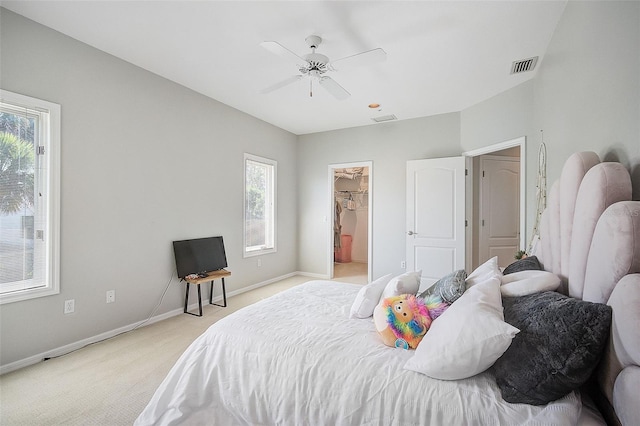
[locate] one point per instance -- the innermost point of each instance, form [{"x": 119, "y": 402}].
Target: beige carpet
[{"x": 109, "y": 383}]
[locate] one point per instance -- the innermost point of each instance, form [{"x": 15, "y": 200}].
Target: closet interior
[{"x": 351, "y": 221}]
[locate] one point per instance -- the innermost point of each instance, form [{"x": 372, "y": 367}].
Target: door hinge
[
  {"x": 466, "y": 172},
  {"x": 40, "y": 234},
  {"x": 482, "y": 222},
  {"x": 466, "y": 223},
  {"x": 40, "y": 150},
  {"x": 483, "y": 173}
]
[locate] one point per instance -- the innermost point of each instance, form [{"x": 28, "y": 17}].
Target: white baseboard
[
  {"x": 312, "y": 275},
  {"x": 62, "y": 350}
]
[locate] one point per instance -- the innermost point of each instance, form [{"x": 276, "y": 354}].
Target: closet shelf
[{"x": 352, "y": 192}]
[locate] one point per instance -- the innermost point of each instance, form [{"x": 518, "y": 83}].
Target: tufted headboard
[{"x": 590, "y": 237}]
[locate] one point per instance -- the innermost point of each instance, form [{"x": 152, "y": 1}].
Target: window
[
  {"x": 29, "y": 197},
  {"x": 259, "y": 205}
]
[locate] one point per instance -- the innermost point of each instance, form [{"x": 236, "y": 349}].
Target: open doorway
[
  {"x": 350, "y": 224},
  {"x": 496, "y": 203}
]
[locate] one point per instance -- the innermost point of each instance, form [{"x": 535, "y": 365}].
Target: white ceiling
[{"x": 442, "y": 56}]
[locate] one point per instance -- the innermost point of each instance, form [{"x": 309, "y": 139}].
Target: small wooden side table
[{"x": 211, "y": 276}]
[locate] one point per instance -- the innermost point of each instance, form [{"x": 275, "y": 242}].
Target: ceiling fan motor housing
[{"x": 315, "y": 62}]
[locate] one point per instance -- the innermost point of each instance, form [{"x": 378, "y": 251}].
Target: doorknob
[{"x": 410, "y": 232}]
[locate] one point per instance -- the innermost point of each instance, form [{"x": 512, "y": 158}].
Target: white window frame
[
  {"x": 49, "y": 138},
  {"x": 270, "y": 213}
]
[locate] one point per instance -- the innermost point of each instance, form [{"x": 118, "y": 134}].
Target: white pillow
[
  {"x": 467, "y": 338},
  {"x": 484, "y": 272},
  {"x": 407, "y": 283},
  {"x": 368, "y": 297},
  {"x": 528, "y": 282}
]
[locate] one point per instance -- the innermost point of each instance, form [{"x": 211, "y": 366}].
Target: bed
[{"x": 299, "y": 357}]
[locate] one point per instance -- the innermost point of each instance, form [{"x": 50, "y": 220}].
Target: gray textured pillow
[
  {"x": 449, "y": 288},
  {"x": 560, "y": 342},
  {"x": 530, "y": 263}
]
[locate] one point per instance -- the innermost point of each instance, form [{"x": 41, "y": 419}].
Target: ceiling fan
[{"x": 315, "y": 65}]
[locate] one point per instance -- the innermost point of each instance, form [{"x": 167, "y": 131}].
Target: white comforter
[{"x": 297, "y": 359}]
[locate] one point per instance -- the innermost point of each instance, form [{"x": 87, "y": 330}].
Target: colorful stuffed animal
[{"x": 403, "y": 320}]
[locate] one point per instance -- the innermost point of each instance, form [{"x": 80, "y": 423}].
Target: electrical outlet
[
  {"x": 111, "y": 296},
  {"x": 69, "y": 306},
  {"x": 403, "y": 264},
  {"x": 259, "y": 262}
]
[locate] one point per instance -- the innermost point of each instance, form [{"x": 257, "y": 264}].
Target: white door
[
  {"x": 499, "y": 209},
  {"x": 435, "y": 217}
]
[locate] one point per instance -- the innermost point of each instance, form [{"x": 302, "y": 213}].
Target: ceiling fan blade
[
  {"x": 283, "y": 83},
  {"x": 334, "y": 88},
  {"x": 280, "y": 50},
  {"x": 360, "y": 59}
]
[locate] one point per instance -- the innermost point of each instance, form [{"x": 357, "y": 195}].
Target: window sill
[
  {"x": 26, "y": 294},
  {"x": 259, "y": 252}
]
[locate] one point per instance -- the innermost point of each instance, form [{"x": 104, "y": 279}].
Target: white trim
[
  {"x": 313, "y": 275},
  {"x": 259, "y": 252},
  {"x": 330, "y": 241},
  {"x": 521, "y": 142},
  {"x": 50, "y": 126},
  {"x": 25, "y": 362},
  {"x": 517, "y": 142},
  {"x": 468, "y": 214}
]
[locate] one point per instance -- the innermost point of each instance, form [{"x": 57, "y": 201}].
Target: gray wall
[
  {"x": 587, "y": 93},
  {"x": 389, "y": 146},
  {"x": 585, "y": 96},
  {"x": 504, "y": 117},
  {"x": 144, "y": 162},
  {"x": 130, "y": 139}
]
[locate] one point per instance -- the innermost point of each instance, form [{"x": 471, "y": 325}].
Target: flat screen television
[{"x": 200, "y": 255}]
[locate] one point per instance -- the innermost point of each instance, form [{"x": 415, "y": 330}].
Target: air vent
[
  {"x": 384, "y": 118},
  {"x": 524, "y": 65}
]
